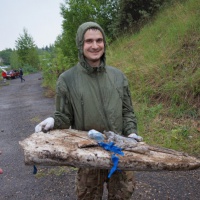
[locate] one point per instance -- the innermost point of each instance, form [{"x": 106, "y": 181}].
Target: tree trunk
[{"x": 70, "y": 147}]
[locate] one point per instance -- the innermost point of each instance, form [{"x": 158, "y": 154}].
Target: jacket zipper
[
  {"x": 101, "y": 98},
  {"x": 83, "y": 118}
]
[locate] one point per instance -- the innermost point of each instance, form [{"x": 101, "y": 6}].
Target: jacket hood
[{"x": 79, "y": 43}]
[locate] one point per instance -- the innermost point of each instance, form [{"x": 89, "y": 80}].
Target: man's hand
[
  {"x": 136, "y": 137},
  {"x": 45, "y": 125}
]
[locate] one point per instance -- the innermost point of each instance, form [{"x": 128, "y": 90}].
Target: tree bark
[{"x": 70, "y": 147}]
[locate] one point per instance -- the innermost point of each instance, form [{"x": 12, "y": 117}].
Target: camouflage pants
[{"x": 89, "y": 184}]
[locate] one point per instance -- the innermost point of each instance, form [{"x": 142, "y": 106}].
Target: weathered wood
[{"x": 74, "y": 148}]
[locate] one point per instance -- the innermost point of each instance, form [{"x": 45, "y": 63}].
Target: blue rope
[
  {"x": 115, "y": 159},
  {"x": 34, "y": 169}
]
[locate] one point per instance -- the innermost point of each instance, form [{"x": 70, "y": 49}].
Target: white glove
[
  {"x": 136, "y": 137},
  {"x": 45, "y": 125}
]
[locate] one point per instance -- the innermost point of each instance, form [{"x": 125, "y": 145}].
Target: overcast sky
[{"x": 41, "y": 18}]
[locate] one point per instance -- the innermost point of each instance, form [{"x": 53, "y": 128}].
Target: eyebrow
[{"x": 91, "y": 40}]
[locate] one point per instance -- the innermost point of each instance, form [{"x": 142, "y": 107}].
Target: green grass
[
  {"x": 4, "y": 83},
  {"x": 162, "y": 65},
  {"x": 35, "y": 119},
  {"x": 56, "y": 171}
]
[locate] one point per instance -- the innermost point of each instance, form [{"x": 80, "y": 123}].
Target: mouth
[{"x": 94, "y": 52}]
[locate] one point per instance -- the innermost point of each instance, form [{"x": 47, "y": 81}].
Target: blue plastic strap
[
  {"x": 115, "y": 160},
  {"x": 34, "y": 169},
  {"x": 111, "y": 147}
]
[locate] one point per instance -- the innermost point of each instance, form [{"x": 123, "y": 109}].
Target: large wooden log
[{"x": 70, "y": 147}]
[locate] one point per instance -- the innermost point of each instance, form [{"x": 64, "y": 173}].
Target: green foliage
[
  {"x": 26, "y": 50},
  {"x": 29, "y": 69},
  {"x": 14, "y": 60},
  {"x": 133, "y": 13},
  {"x": 52, "y": 64},
  {"x": 47, "y": 69},
  {"x": 5, "y": 56}
]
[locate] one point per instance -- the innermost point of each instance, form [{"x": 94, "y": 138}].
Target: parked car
[
  {"x": 12, "y": 74},
  {"x": 3, "y": 74}
]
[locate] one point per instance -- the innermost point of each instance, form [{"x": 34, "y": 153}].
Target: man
[
  {"x": 21, "y": 75},
  {"x": 92, "y": 95}
]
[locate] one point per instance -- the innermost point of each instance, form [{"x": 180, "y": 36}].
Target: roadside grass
[
  {"x": 49, "y": 92},
  {"x": 4, "y": 83},
  {"x": 49, "y": 83},
  {"x": 57, "y": 171},
  {"x": 159, "y": 129},
  {"x": 162, "y": 65},
  {"x": 35, "y": 119}
]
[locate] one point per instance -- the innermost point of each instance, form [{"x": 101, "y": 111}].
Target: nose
[{"x": 94, "y": 44}]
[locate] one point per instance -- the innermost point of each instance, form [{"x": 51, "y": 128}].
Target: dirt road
[{"x": 22, "y": 106}]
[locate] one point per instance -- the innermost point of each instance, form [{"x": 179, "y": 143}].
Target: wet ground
[{"x": 22, "y": 106}]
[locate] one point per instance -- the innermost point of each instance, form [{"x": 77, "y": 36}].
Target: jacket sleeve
[
  {"x": 63, "y": 115},
  {"x": 129, "y": 118}
]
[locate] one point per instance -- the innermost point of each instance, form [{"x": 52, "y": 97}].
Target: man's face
[{"x": 93, "y": 47}]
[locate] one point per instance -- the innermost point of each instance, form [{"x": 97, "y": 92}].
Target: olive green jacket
[
  {"x": 94, "y": 97},
  {"x": 98, "y": 100}
]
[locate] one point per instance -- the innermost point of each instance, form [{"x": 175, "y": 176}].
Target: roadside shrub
[{"x": 133, "y": 13}]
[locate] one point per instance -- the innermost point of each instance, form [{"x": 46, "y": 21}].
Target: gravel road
[{"x": 22, "y": 106}]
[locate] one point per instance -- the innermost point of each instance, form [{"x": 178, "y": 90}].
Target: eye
[
  {"x": 100, "y": 40},
  {"x": 89, "y": 41}
]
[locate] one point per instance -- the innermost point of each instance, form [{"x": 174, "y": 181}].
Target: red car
[
  {"x": 12, "y": 74},
  {"x": 3, "y": 74}
]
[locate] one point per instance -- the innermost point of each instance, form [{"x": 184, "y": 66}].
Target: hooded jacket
[{"x": 94, "y": 97}]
